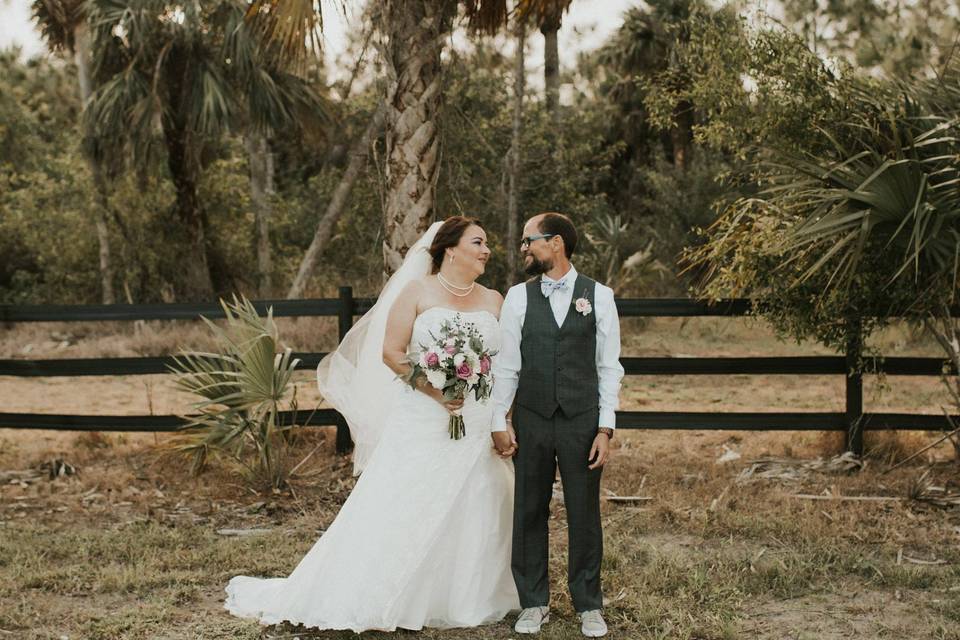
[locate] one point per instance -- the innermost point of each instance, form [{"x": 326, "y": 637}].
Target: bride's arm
[
  {"x": 504, "y": 440},
  {"x": 400, "y": 328}
]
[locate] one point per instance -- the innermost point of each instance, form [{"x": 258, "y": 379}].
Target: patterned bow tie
[{"x": 549, "y": 286}]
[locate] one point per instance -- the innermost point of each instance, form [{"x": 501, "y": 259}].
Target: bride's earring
[{"x": 451, "y": 257}]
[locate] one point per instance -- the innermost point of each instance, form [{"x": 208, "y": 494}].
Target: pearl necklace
[{"x": 449, "y": 286}]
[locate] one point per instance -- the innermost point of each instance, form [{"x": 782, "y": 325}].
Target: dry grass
[{"x": 129, "y": 549}]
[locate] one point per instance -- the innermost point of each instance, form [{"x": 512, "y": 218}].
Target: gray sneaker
[
  {"x": 592, "y": 624},
  {"x": 531, "y": 619}
]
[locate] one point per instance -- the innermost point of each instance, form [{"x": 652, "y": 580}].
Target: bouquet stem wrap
[{"x": 456, "y": 426}]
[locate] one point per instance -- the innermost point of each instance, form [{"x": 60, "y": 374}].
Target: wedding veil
[{"x": 353, "y": 378}]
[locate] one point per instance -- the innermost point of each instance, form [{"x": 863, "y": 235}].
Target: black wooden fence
[{"x": 853, "y": 421}]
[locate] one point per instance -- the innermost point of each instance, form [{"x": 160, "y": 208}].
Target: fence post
[
  {"x": 854, "y": 408},
  {"x": 344, "y": 322}
]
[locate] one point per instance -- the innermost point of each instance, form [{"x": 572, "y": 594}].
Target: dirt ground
[{"x": 720, "y": 546}]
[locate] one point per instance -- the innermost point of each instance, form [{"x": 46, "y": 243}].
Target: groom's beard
[{"x": 537, "y": 267}]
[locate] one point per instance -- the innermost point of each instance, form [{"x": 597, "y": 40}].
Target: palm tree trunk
[
  {"x": 519, "y": 88},
  {"x": 358, "y": 157},
  {"x": 81, "y": 57},
  {"x": 262, "y": 192},
  {"x": 197, "y": 281},
  {"x": 681, "y": 135},
  {"x": 551, "y": 68},
  {"x": 415, "y": 30}
]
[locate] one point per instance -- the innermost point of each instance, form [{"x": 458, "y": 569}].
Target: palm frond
[
  {"x": 289, "y": 29},
  {"x": 884, "y": 192},
  {"x": 58, "y": 21},
  {"x": 541, "y": 11},
  {"x": 486, "y": 15},
  {"x": 211, "y": 107},
  {"x": 240, "y": 391}
]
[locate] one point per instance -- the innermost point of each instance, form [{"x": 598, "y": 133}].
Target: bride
[{"x": 424, "y": 538}]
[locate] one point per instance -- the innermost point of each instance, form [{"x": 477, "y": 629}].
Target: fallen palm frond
[
  {"x": 794, "y": 470},
  {"x": 922, "y": 490}
]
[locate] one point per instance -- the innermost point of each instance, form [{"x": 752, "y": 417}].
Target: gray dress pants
[{"x": 544, "y": 445}]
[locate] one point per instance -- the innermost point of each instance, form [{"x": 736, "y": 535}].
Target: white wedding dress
[{"x": 424, "y": 538}]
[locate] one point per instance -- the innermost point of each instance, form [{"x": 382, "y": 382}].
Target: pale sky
[{"x": 585, "y": 27}]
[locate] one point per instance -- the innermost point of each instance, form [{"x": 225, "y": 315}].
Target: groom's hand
[
  {"x": 599, "y": 452},
  {"x": 505, "y": 443}
]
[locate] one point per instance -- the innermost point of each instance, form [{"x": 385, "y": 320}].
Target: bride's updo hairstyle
[{"x": 448, "y": 235}]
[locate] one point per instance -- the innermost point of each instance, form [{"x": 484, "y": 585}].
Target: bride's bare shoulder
[
  {"x": 418, "y": 286},
  {"x": 492, "y": 299},
  {"x": 421, "y": 293},
  {"x": 413, "y": 292}
]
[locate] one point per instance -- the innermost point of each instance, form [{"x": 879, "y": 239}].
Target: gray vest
[{"x": 558, "y": 364}]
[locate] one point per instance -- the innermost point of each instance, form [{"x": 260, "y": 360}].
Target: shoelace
[{"x": 591, "y": 616}]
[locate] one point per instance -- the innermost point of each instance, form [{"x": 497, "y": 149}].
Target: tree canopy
[{"x": 217, "y": 144}]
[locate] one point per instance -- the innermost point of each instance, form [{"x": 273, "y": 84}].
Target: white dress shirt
[{"x": 506, "y": 364}]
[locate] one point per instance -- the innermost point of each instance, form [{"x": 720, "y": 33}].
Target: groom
[{"x": 559, "y": 367}]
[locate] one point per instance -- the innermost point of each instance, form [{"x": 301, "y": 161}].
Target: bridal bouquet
[{"x": 457, "y": 363}]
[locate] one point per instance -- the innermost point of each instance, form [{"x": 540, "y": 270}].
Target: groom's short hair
[{"x": 560, "y": 225}]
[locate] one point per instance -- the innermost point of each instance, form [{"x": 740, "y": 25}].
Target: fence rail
[
  {"x": 853, "y": 421},
  {"x": 642, "y": 366}
]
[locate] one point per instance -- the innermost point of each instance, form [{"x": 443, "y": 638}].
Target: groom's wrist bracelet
[{"x": 607, "y": 431}]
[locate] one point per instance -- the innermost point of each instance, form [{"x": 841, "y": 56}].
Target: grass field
[{"x": 129, "y": 547}]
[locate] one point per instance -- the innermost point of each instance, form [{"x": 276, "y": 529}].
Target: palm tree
[
  {"x": 891, "y": 183},
  {"x": 176, "y": 78},
  {"x": 414, "y": 32},
  {"x": 63, "y": 25},
  {"x": 548, "y": 16},
  {"x": 273, "y": 97},
  {"x": 861, "y": 227},
  {"x": 645, "y": 47}
]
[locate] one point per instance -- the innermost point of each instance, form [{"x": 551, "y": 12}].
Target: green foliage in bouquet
[{"x": 455, "y": 362}]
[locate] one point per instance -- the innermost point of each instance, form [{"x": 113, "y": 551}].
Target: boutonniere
[{"x": 582, "y": 305}]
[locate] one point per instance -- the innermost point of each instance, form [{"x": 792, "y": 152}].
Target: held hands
[
  {"x": 599, "y": 452},
  {"x": 505, "y": 442}
]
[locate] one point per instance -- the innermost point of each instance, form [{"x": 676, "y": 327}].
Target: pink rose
[
  {"x": 432, "y": 359},
  {"x": 485, "y": 365},
  {"x": 464, "y": 371},
  {"x": 450, "y": 348}
]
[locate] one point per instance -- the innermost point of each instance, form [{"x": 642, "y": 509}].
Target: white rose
[
  {"x": 436, "y": 378},
  {"x": 473, "y": 359},
  {"x": 458, "y": 359},
  {"x": 474, "y": 379}
]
